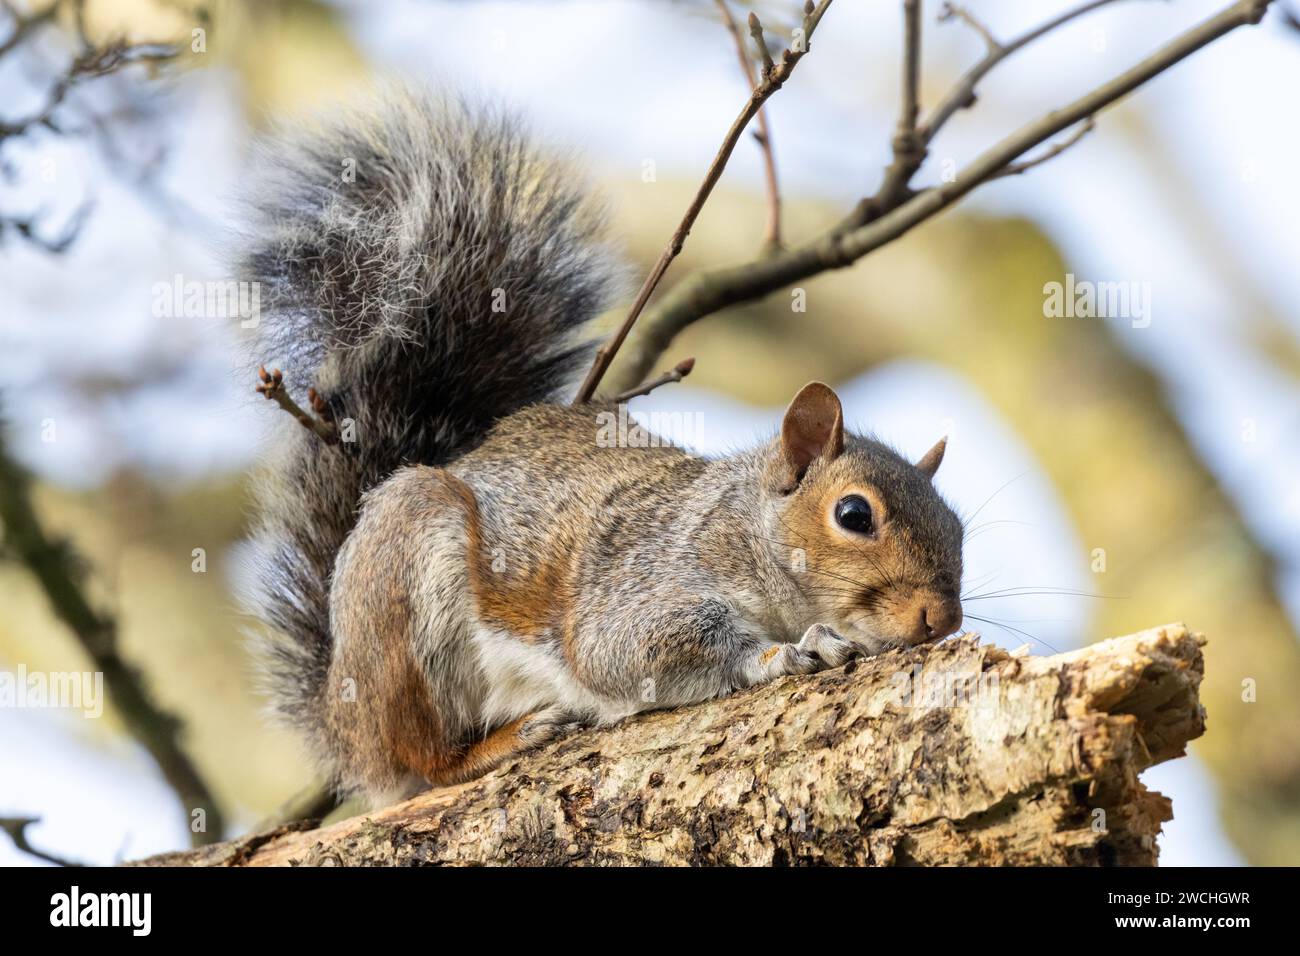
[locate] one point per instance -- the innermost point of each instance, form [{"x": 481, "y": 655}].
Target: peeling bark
[{"x": 957, "y": 753}]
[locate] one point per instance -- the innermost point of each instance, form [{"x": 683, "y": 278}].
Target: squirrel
[{"x": 477, "y": 571}]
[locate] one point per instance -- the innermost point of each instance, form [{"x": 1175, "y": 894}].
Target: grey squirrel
[{"x": 475, "y": 571}]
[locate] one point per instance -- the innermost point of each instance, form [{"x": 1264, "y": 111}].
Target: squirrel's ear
[
  {"x": 929, "y": 462},
  {"x": 813, "y": 427}
]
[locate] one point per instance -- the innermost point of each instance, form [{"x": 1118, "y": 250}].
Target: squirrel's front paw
[
  {"x": 824, "y": 641},
  {"x": 819, "y": 648}
]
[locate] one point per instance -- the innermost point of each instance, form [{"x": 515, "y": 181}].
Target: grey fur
[
  {"x": 512, "y": 573},
  {"x": 379, "y": 293}
]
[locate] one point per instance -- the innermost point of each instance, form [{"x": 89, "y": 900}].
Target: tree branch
[
  {"x": 674, "y": 374},
  {"x": 1056, "y": 149},
  {"x": 55, "y": 567},
  {"x": 1040, "y": 759},
  {"x": 29, "y": 228},
  {"x": 951, "y": 11},
  {"x": 91, "y": 60},
  {"x": 272, "y": 388},
  {"x": 875, "y": 223},
  {"x": 908, "y": 145},
  {"x": 962, "y": 95},
  {"x": 310, "y": 805},
  {"x": 23, "y": 25},
  {"x": 16, "y": 828},
  {"x": 773, "y": 80},
  {"x": 763, "y": 135}
]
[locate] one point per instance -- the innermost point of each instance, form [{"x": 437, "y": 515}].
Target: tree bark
[{"x": 956, "y": 753}]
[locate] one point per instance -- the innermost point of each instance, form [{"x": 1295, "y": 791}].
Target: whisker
[
  {"x": 1003, "y": 488},
  {"x": 978, "y": 529},
  {"x": 847, "y": 580},
  {"x": 859, "y": 586},
  {"x": 984, "y": 579},
  {"x": 1036, "y": 590},
  {"x": 1011, "y": 629}
]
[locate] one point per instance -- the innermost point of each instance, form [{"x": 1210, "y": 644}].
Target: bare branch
[
  {"x": 16, "y": 827},
  {"x": 875, "y": 224},
  {"x": 911, "y": 142},
  {"x": 23, "y": 25},
  {"x": 321, "y": 424},
  {"x": 1015, "y": 169},
  {"x": 56, "y": 568},
  {"x": 312, "y": 804},
  {"x": 908, "y": 144},
  {"x": 962, "y": 95},
  {"x": 772, "y": 81},
  {"x": 675, "y": 374},
  {"x": 763, "y": 135},
  {"x": 28, "y": 227},
  {"x": 760, "y": 42},
  {"x": 91, "y": 60},
  {"x": 911, "y": 68},
  {"x": 952, "y": 11}
]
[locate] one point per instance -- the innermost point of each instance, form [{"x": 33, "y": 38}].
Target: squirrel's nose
[{"x": 938, "y": 616}]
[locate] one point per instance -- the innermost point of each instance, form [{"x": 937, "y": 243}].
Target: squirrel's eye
[{"x": 854, "y": 513}]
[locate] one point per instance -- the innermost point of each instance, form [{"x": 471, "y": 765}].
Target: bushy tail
[{"x": 425, "y": 270}]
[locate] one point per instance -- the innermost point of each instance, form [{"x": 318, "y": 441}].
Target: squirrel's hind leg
[{"x": 528, "y": 732}]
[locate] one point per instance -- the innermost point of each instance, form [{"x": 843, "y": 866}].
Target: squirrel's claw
[
  {"x": 546, "y": 725},
  {"x": 819, "y": 648}
]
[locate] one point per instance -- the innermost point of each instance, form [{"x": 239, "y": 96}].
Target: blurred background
[{"x": 1125, "y": 473}]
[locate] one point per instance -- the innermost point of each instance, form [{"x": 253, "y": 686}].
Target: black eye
[{"x": 854, "y": 513}]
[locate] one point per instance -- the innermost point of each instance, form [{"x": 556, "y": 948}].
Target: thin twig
[
  {"x": 272, "y": 388},
  {"x": 911, "y": 67},
  {"x": 28, "y": 227},
  {"x": 94, "y": 62},
  {"x": 763, "y": 135},
  {"x": 56, "y": 568},
  {"x": 16, "y": 827},
  {"x": 674, "y": 374},
  {"x": 26, "y": 24},
  {"x": 90, "y": 60},
  {"x": 952, "y": 11},
  {"x": 962, "y": 95},
  {"x": 756, "y": 31},
  {"x": 772, "y": 81},
  {"x": 704, "y": 293},
  {"x": 1015, "y": 169},
  {"x": 908, "y": 145}
]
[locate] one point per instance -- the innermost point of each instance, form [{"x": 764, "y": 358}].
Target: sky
[{"x": 622, "y": 81}]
